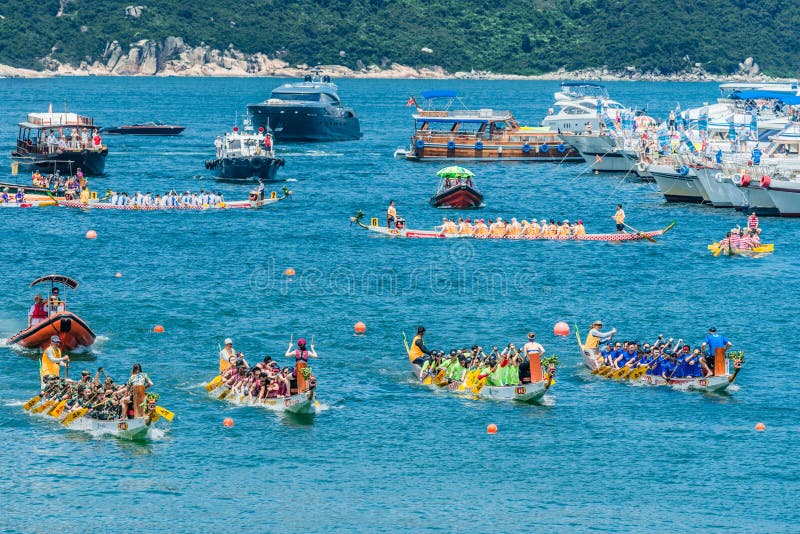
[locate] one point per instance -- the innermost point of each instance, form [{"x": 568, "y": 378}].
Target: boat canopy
[
  {"x": 454, "y": 171},
  {"x": 56, "y": 279},
  {"x": 766, "y": 95},
  {"x": 439, "y": 93}
]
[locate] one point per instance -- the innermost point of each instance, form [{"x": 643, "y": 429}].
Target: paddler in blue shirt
[
  {"x": 669, "y": 366},
  {"x": 608, "y": 354},
  {"x": 655, "y": 362},
  {"x": 715, "y": 344}
]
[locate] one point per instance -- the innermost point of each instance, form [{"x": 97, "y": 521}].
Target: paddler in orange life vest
[
  {"x": 38, "y": 312},
  {"x": 52, "y": 360},
  {"x": 594, "y": 338},
  {"x": 418, "y": 350}
]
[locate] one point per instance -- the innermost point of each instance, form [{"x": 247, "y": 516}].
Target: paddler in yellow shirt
[
  {"x": 481, "y": 230},
  {"x": 533, "y": 229},
  {"x": 578, "y": 229},
  {"x": 514, "y": 229},
  {"x": 227, "y": 356},
  {"x": 465, "y": 228},
  {"x": 52, "y": 360}
]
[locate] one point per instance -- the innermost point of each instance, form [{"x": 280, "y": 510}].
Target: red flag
[
  {"x": 598, "y": 159},
  {"x": 411, "y": 102}
]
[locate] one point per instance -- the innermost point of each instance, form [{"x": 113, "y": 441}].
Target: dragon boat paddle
[{"x": 640, "y": 233}]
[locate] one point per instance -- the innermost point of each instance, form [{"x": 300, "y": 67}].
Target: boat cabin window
[
  {"x": 234, "y": 144},
  {"x": 305, "y": 97}
]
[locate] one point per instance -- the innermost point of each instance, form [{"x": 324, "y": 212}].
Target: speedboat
[{"x": 310, "y": 110}]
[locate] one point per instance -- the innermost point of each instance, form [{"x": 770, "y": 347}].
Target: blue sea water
[{"x": 386, "y": 454}]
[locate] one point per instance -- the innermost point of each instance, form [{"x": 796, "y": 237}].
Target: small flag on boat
[
  {"x": 597, "y": 158},
  {"x": 411, "y": 102}
]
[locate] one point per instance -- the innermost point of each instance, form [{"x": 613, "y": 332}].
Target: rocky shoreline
[{"x": 173, "y": 57}]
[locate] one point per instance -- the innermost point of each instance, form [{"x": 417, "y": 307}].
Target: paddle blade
[
  {"x": 77, "y": 414},
  {"x": 479, "y": 386},
  {"x": 31, "y": 403},
  {"x": 224, "y": 394},
  {"x": 215, "y": 383},
  {"x": 163, "y": 412},
  {"x": 42, "y": 407},
  {"x": 427, "y": 380},
  {"x": 59, "y": 407}
]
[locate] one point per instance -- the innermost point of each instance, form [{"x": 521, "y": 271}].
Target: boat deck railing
[
  {"x": 44, "y": 148},
  {"x": 462, "y": 114}
]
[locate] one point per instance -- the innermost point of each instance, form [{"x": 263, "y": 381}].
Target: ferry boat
[
  {"x": 245, "y": 155},
  {"x": 454, "y": 132},
  {"x": 60, "y": 141},
  {"x": 310, "y": 110}
]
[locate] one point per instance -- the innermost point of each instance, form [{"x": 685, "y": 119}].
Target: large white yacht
[{"x": 580, "y": 104}]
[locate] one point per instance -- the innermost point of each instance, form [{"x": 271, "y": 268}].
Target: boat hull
[
  {"x": 306, "y": 123},
  {"x": 70, "y": 328},
  {"x": 91, "y": 162},
  {"x": 786, "y": 197},
  {"x": 601, "y": 152},
  {"x": 459, "y": 197},
  {"x": 300, "y": 403},
  {"x": 145, "y": 130},
  {"x": 235, "y": 204},
  {"x": 676, "y": 187},
  {"x": 250, "y": 169},
  {"x": 758, "y": 200},
  {"x": 491, "y": 151},
  {"x": 527, "y": 393},
  {"x": 717, "y": 193}
]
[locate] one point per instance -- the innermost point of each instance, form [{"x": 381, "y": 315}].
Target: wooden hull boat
[
  {"x": 757, "y": 252},
  {"x": 435, "y": 234},
  {"x": 710, "y": 384},
  {"x": 254, "y": 202},
  {"x": 70, "y": 328},
  {"x": 528, "y": 393},
  {"x": 304, "y": 403}
]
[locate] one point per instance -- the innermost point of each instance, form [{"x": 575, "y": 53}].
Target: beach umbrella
[{"x": 454, "y": 171}]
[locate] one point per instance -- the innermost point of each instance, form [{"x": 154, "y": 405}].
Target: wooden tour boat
[{"x": 449, "y": 132}]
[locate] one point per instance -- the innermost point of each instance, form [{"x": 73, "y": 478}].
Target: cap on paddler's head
[
  {"x": 712, "y": 329},
  {"x": 228, "y": 341},
  {"x": 580, "y": 221},
  {"x": 597, "y": 323},
  {"x": 55, "y": 339},
  {"x": 420, "y": 330},
  {"x": 301, "y": 342},
  {"x": 468, "y": 220}
]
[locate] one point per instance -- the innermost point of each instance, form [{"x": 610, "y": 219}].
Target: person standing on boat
[
  {"x": 227, "y": 356},
  {"x": 391, "y": 214},
  {"x": 54, "y": 303},
  {"x": 52, "y": 360},
  {"x": 716, "y": 345},
  {"x": 619, "y": 218},
  {"x": 138, "y": 383},
  {"x": 38, "y": 312},
  {"x": 418, "y": 350},
  {"x": 752, "y": 221},
  {"x": 301, "y": 356},
  {"x": 594, "y": 338}
]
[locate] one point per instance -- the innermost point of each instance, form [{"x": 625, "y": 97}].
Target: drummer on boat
[{"x": 594, "y": 338}]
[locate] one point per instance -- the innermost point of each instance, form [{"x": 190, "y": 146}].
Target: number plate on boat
[
  {"x": 453, "y": 385},
  {"x": 520, "y": 390},
  {"x": 122, "y": 426},
  {"x": 702, "y": 382}
]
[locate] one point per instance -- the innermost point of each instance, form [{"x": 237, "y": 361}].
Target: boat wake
[{"x": 315, "y": 154}]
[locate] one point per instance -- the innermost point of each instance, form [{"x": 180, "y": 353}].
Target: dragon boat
[
  {"x": 718, "y": 382},
  {"x": 257, "y": 200},
  {"x": 528, "y": 391},
  {"x": 134, "y": 429},
  {"x": 299, "y": 402},
  {"x": 438, "y": 234}
]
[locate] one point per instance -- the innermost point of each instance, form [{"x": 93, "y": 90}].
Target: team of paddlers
[
  {"x": 743, "y": 238},
  {"x": 510, "y": 366},
  {"x": 513, "y": 228},
  {"x": 666, "y": 358},
  {"x": 266, "y": 379}
]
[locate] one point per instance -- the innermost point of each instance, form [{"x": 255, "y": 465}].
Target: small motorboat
[
  {"x": 56, "y": 321},
  {"x": 245, "y": 155},
  {"x": 456, "y": 189},
  {"x": 145, "y": 128}
]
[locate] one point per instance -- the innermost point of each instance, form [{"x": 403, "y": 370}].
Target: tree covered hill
[{"x": 504, "y": 36}]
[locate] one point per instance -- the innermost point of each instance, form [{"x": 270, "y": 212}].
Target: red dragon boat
[{"x": 57, "y": 321}]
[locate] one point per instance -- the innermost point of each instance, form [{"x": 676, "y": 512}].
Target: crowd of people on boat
[
  {"x": 70, "y": 139},
  {"x": 266, "y": 379},
  {"x": 101, "y": 396},
  {"x": 509, "y": 366},
  {"x": 59, "y": 184},
  {"x": 170, "y": 199},
  {"x": 665, "y": 357},
  {"x": 514, "y": 228},
  {"x": 747, "y": 238}
]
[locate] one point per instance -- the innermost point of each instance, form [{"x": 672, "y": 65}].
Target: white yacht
[{"x": 580, "y": 104}]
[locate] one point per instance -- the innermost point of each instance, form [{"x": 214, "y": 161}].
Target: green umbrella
[{"x": 454, "y": 171}]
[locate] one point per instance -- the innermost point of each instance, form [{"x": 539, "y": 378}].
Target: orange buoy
[
  {"x": 118, "y": 275},
  {"x": 91, "y": 234},
  {"x": 227, "y": 422},
  {"x": 491, "y": 429},
  {"x": 561, "y": 329},
  {"x": 761, "y": 427},
  {"x": 360, "y": 328},
  {"x": 158, "y": 329},
  {"x": 289, "y": 271}
]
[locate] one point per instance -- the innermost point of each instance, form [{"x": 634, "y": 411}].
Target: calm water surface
[{"x": 386, "y": 454}]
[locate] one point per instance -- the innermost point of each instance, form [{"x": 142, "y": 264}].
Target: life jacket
[
  {"x": 591, "y": 341},
  {"x": 39, "y": 311},
  {"x": 466, "y": 229},
  {"x": 48, "y": 367},
  {"x": 415, "y": 352},
  {"x": 224, "y": 360}
]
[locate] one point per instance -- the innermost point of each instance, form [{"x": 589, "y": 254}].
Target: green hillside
[{"x": 525, "y": 36}]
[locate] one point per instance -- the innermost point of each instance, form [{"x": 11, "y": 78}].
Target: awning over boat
[
  {"x": 767, "y": 95},
  {"x": 454, "y": 171},
  {"x": 439, "y": 93},
  {"x": 56, "y": 279}
]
